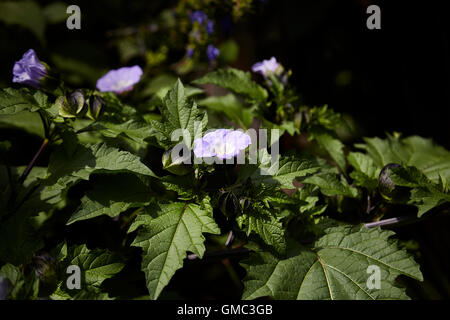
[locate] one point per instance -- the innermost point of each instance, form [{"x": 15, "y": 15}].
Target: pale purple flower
[
  {"x": 198, "y": 16},
  {"x": 209, "y": 27},
  {"x": 120, "y": 80},
  {"x": 212, "y": 52},
  {"x": 266, "y": 66},
  {"x": 29, "y": 70},
  {"x": 221, "y": 143}
]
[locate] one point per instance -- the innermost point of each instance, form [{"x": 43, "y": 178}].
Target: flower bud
[
  {"x": 229, "y": 204},
  {"x": 72, "y": 105},
  {"x": 96, "y": 104},
  {"x": 77, "y": 100},
  {"x": 29, "y": 70},
  {"x": 388, "y": 190},
  {"x": 65, "y": 109}
]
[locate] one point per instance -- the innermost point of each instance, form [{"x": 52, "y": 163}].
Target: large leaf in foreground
[
  {"x": 336, "y": 268},
  {"x": 166, "y": 233},
  {"x": 110, "y": 197},
  {"x": 98, "y": 158}
]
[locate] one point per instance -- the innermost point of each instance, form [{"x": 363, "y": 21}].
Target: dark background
[
  {"x": 393, "y": 79},
  {"x": 400, "y": 75}
]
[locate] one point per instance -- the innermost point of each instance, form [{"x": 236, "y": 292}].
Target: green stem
[{"x": 45, "y": 124}]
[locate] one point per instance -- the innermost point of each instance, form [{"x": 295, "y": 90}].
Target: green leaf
[
  {"x": 60, "y": 251},
  {"x": 165, "y": 234},
  {"x": 335, "y": 268},
  {"x": 15, "y": 286},
  {"x": 309, "y": 196},
  {"x": 231, "y": 107},
  {"x": 99, "y": 158},
  {"x": 96, "y": 266},
  {"x": 25, "y": 120},
  {"x": 331, "y": 144},
  {"x": 269, "y": 228},
  {"x": 110, "y": 197},
  {"x": 16, "y": 100},
  {"x": 178, "y": 112},
  {"x": 134, "y": 129},
  {"x": 366, "y": 172},
  {"x": 425, "y": 194},
  {"x": 237, "y": 81},
  {"x": 82, "y": 294},
  {"x": 282, "y": 172},
  {"x": 431, "y": 159},
  {"x": 330, "y": 185},
  {"x": 324, "y": 118}
]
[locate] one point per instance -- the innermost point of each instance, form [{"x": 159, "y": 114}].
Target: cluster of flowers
[
  {"x": 221, "y": 143},
  {"x": 199, "y": 17},
  {"x": 31, "y": 71}
]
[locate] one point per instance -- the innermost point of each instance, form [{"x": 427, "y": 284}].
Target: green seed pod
[
  {"x": 175, "y": 166},
  {"x": 95, "y": 106},
  {"x": 77, "y": 100},
  {"x": 65, "y": 109},
  {"x": 388, "y": 190}
]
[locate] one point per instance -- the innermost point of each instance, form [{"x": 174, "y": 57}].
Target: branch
[
  {"x": 31, "y": 164},
  {"x": 387, "y": 222}
]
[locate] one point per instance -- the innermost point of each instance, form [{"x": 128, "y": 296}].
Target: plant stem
[
  {"x": 45, "y": 124},
  {"x": 387, "y": 222},
  {"x": 31, "y": 164},
  {"x": 232, "y": 273}
]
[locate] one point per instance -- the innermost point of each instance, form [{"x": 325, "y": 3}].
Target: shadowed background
[{"x": 393, "y": 79}]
